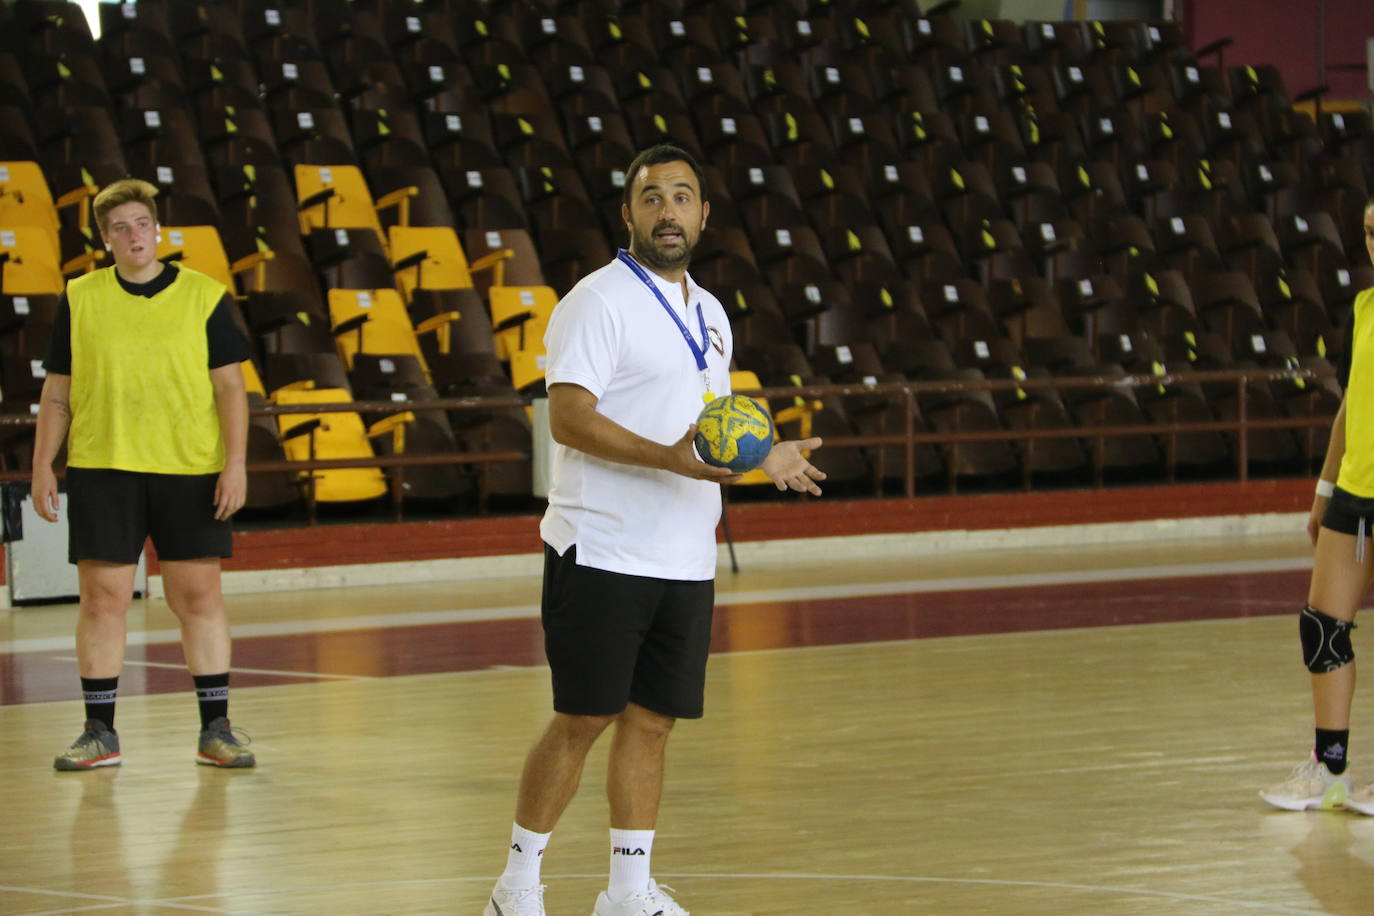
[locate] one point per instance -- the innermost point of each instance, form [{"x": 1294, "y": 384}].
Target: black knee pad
[{"x": 1325, "y": 641}]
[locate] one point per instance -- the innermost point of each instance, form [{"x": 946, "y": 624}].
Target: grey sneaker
[
  {"x": 98, "y": 746},
  {"x": 220, "y": 746},
  {"x": 525, "y": 902}
]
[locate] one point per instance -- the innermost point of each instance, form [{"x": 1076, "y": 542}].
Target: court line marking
[
  {"x": 109, "y": 901},
  {"x": 1230, "y": 902},
  {"x": 724, "y": 597},
  {"x": 266, "y": 671}
]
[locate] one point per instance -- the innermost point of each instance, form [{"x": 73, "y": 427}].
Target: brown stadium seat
[
  {"x": 1311, "y": 240},
  {"x": 418, "y": 432},
  {"x": 966, "y": 192},
  {"x": 268, "y": 491},
  {"x": 959, "y": 309},
  {"x": 568, "y": 255},
  {"x": 1202, "y": 453},
  {"x": 387, "y": 137},
  {"x": 486, "y": 198},
  {"x": 979, "y": 462},
  {"x": 1027, "y": 306},
  {"x": 518, "y": 258},
  {"x": 1055, "y": 43}
]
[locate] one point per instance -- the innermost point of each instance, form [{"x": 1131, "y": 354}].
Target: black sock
[
  {"x": 213, "y": 692},
  {"x": 99, "y": 694},
  {"x": 1331, "y": 747}
]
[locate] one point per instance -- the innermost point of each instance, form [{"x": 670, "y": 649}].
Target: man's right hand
[
  {"x": 44, "y": 492},
  {"x": 682, "y": 459}
]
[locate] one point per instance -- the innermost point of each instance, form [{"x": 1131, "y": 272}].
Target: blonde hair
[{"x": 124, "y": 191}]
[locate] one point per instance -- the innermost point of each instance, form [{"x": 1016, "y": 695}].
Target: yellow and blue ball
[{"x": 734, "y": 432}]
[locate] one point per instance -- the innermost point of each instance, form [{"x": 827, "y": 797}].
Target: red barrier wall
[
  {"x": 328, "y": 545},
  {"x": 1286, "y": 34}
]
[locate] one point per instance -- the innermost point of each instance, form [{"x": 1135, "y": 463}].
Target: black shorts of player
[
  {"x": 1344, "y": 511},
  {"x": 111, "y": 513},
  {"x": 613, "y": 638}
]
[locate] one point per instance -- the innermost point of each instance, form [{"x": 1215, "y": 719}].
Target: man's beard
[{"x": 647, "y": 250}]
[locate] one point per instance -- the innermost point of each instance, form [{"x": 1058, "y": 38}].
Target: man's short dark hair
[{"x": 658, "y": 155}]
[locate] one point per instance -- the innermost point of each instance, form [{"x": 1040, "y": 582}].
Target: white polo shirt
[{"x": 611, "y": 336}]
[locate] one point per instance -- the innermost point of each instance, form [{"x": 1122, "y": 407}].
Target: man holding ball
[{"x": 635, "y": 351}]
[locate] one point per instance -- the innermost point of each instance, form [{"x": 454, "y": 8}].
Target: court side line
[
  {"x": 724, "y": 596},
  {"x": 108, "y": 901},
  {"x": 1256, "y": 906},
  {"x": 996, "y": 882},
  {"x": 180, "y": 907},
  {"x": 267, "y": 671}
]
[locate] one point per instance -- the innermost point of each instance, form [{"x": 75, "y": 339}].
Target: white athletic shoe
[
  {"x": 650, "y": 902},
  {"x": 528, "y": 901},
  {"x": 1311, "y": 785},
  {"x": 1362, "y": 801}
]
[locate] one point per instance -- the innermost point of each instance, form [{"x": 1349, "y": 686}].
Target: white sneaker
[
  {"x": 651, "y": 902},
  {"x": 527, "y": 901},
  {"x": 1362, "y": 801},
  {"x": 1312, "y": 785}
]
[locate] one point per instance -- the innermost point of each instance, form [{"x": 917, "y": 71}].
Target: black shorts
[
  {"x": 613, "y": 638},
  {"x": 1344, "y": 511},
  {"x": 111, "y": 513}
]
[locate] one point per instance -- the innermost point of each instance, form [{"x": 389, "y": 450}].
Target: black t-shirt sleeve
[
  {"x": 226, "y": 341},
  {"x": 59, "y": 357}
]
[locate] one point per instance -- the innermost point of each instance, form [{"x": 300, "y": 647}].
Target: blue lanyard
[{"x": 697, "y": 351}]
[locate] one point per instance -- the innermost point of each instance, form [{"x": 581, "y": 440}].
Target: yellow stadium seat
[
  {"x": 200, "y": 248},
  {"x": 375, "y": 321},
  {"x": 519, "y": 315},
  {"x": 337, "y": 196},
  {"x": 25, "y": 199},
  {"x": 345, "y": 304},
  {"x": 801, "y": 412},
  {"x": 431, "y": 257},
  {"x": 30, "y": 262},
  {"x": 307, "y": 436},
  {"x": 527, "y": 368}
]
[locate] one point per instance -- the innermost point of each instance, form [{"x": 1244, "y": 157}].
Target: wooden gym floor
[{"x": 1025, "y": 732}]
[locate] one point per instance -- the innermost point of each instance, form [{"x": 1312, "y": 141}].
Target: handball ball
[{"x": 734, "y": 432}]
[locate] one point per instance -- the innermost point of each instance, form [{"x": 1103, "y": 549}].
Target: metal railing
[
  {"x": 906, "y": 396},
  {"x": 910, "y": 394}
]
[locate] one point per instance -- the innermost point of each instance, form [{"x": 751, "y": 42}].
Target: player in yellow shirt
[
  {"x": 144, "y": 383},
  {"x": 1340, "y": 526}
]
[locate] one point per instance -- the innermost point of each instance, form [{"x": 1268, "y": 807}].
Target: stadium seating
[{"x": 893, "y": 184}]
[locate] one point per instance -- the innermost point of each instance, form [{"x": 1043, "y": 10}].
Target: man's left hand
[{"x": 787, "y": 467}]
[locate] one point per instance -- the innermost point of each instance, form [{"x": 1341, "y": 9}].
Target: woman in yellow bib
[
  {"x": 1340, "y": 526},
  {"x": 144, "y": 384}
]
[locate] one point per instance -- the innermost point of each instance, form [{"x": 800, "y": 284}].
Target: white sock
[
  {"x": 526, "y": 855},
  {"x": 630, "y": 853}
]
